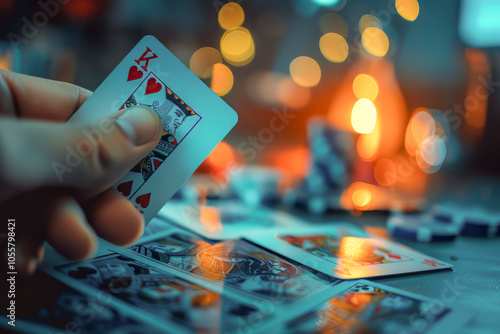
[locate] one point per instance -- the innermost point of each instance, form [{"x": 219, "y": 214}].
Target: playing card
[
  {"x": 238, "y": 266},
  {"x": 225, "y": 219},
  {"x": 367, "y": 307},
  {"x": 162, "y": 294},
  {"x": 59, "y": 308},
  {"x": 194, "y": 120},
  {"x": 339, "y": 253}
]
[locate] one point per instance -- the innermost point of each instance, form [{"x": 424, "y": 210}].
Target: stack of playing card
[{"x": 225, "y": 267}]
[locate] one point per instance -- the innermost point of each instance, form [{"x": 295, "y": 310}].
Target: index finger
[{"x": 37, "y": 98}]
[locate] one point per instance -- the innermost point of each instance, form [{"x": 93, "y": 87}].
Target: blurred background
[{"x": 375, "y": 102}]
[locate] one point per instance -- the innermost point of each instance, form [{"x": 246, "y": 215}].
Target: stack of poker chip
[
  {"x": 444, "y": 223},
  {"x": 330, "y": 163}
]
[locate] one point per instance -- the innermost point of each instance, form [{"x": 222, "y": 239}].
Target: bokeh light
[
  {"x": 305, "y": 71},
  {"x": 364, "y": 86},
  {"x": 375, "y": 41},
  {"x": 333, "y": 22},
  {"x": 334, "y": 47},
  {"x": 420, "y": 126},
  {"x": 433, "y": 150},
  {"x": 231, "y": 15},
  {"x": 237, "y": 46},
  {"x": 361, "y": 198},
  {"x": 408, "y": 9},
  {"x": 363, "y": 116},
  {"x": 202, "y": 61},
  {"x": 222, "y": 79},
  {"x": 367, "y": 21}
]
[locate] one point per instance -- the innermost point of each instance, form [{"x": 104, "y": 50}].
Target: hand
[{"x": 55, "y": 178}]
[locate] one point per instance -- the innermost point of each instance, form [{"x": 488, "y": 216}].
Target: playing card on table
[
  {"x": 367, "y": 307},
  {"x": 162, "y": 294},
  {"x": 194, "y": 120},
  {"x": 237, "y": 266},
  {"x": 344, "y": 255}
]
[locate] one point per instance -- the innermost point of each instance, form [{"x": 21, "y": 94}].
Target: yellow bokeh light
[
  {"x": 422, "y": 125},
  {"x": 305, "y": 71},
  {"x": 231, "y": 15},
  {"x": 408, "y": 9},
  {"x": 375, "y": 41},
  {"x": 364, "y": 86},
  {"x": 361, "y": 197},
  {"x": 202, "y": 61},
  {"x": 333, "y": 22},
  {"x": 367, "y": 21},
  {"x": 364, "y": 116},
  {"x": 237, "y": 46},
  {"x": 334, "y": 47},
  {"x": 222, "y": 79}
]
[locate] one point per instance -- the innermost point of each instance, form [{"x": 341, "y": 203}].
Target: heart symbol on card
[
  {"x": 143, "y": 200},
  {"x": 134, "y": 73},
  {"x": 152, "y": 86},
  {"x": 125, "y": 188}
]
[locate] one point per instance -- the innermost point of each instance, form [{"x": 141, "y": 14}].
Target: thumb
[{"x": 92, "y": 157}]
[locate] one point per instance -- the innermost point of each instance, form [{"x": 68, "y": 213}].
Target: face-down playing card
[
  {"x": 164, "y": 295},
  {"x": 367, "y": 307},
  {"x": 346, "y": 256},
  {"x": 194, "y": 120},
  {"x": 238, "y": 266}
]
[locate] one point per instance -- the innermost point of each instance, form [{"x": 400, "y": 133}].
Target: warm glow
[
  {"x": 222, "y": 79},
  {"x": 222, "y": 154},
  {"x": 293, "y": 95},
  {"x": 375, "y": 41},
  {"x": 364, "y": 116},
  {"x": 408, "y": 9},
  {"x": 4, "y": 63},
  {"x": 421, "y": 126},
  {"x": 361, "y": 198},
  {"x": 368, "y": 144},
  {"x": 333, "y": 22},
  {"x": 364, "y": 86},
  {"x": 237, "y": 46},
  {"x": 305, "y": 71},
  {"x": 202, "y": 61},
  {"x": 367, "y": 21},
  {"x": 231, "y": 15},
  {"x": 352, "y": 248},
  {"x": 210, "y": 218},
  {"x": 334, "y": 47},
  {"x": 385, "y": 172}
]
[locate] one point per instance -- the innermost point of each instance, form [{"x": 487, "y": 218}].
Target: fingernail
[{"x": 141, "y": 124}]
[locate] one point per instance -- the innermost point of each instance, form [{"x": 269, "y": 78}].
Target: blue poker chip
[
  {"x": 478, "y": 222},
  {"x": 421, "y": 228}
]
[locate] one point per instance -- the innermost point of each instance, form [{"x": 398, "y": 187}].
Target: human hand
[{"x": 61, "y": 197}]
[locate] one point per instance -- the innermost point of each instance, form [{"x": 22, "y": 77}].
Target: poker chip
[
  {"x": 473, "y": 221},
  {"x": 421, "y": 228},
  {"x": 478, "y": 222}
]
